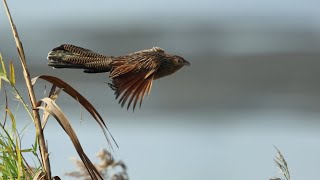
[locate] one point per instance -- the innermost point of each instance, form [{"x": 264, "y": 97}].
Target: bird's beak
[{"x": 186, "y": 63}]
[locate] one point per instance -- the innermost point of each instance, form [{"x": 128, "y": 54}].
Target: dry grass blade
[
  {"x": 56, "y": 112},
  {"x": 82, "y": 100},
  {"x": 53, "y": 94},
  {"x": 39, "y": 176}
]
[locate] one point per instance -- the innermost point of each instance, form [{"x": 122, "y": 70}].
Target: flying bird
[{"x": 131, "y": 74}]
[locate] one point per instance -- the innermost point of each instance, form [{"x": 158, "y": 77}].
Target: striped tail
[{"x": 74, "y": 57}]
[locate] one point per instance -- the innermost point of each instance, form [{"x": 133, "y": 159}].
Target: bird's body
[{"x": 131, "y": 74}]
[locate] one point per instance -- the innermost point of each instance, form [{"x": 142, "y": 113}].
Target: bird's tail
[{"x": 70, "y": 56}]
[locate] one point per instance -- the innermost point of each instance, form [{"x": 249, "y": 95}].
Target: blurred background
[{"x": 253, "y": 84}]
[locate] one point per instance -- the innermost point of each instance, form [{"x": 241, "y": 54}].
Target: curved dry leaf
[
  {"x": 81, "y": 99},
  {"x": 53, "y": 94},
  {"x": 39, "y": 175},
  {"x": 52, "y": 108}
]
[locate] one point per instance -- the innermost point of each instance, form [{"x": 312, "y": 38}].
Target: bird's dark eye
[{"x": 179, "y": 60}]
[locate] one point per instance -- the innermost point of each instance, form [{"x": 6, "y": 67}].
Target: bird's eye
[{"x": 180, "y": 60}]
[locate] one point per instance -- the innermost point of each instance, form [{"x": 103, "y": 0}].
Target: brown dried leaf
[
  {"x": 53, "y": 94},
  {"x": 39, "y": 176},
  {"x": 82, "y": 100},
  {"x": 56, "y": 112}
]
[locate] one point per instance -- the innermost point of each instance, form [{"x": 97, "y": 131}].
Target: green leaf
[
  {"x": 19, "y": 159},
  {"x": 2, "y": 68},
  {"x": 35, "y": 147},
  {"x": 26, "y": 150},
  {"x": 12, "y": 119},
  {"x": 1, "y": 71},
  {"x": 12, "y": 76}
]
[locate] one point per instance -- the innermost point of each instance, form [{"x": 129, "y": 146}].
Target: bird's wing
[{"x": 133, "y": 79}]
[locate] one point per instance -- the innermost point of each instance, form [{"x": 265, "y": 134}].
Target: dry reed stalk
[{"x": 35, "y": 112}]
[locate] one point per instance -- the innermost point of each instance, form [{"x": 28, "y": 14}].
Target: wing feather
[
  {"x": 130, "y": 90},
  {"x": 135, "y": 94},
  {"x": 125, "y": 87},
  {"x": 142, "y": 92},
  {"x": 133, "y": 78}
]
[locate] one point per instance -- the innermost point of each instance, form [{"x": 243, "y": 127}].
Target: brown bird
[{"x": 131, "y": 74}]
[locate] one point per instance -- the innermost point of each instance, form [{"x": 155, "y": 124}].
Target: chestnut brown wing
[{"x": 132, "y": 77}]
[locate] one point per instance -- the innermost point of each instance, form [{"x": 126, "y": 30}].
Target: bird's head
[
  {"x": 179, "y": 62},
  {"x": 172, "y": 64},
  {"x": 169, "y": 65}
]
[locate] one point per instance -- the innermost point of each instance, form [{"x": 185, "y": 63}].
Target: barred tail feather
[
  {"x": 70, "y": 56},
  {"x": 56, "y": 60}
]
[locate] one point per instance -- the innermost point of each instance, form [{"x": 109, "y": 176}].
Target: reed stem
[{"x": 32, "y": 97}]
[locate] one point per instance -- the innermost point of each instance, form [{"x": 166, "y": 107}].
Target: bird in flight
[{"x": 131, "y": 74}]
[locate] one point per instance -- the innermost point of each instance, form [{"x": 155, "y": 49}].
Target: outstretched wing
[{"x": 132, "y": 78}]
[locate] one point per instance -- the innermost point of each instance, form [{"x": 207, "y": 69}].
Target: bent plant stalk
[{"x": 35, "y": 112}]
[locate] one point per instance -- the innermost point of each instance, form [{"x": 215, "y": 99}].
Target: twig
[{"x": 35, "y": 112}]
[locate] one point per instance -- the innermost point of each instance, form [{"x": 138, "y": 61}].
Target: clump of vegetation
[
  {"x": 107, "y": 167},
  {"x": 12, "y": 162}
]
